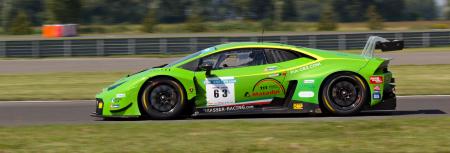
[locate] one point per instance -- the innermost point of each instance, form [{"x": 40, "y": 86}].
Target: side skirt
[{"x": 301, "y": 107}]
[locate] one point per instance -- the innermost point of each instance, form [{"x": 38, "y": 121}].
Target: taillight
[{"x": 376, "y": 79}]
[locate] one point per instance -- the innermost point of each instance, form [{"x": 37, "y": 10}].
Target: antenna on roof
[{"x": 262, "y": 36}]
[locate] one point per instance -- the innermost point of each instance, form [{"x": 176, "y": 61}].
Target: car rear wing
[{"x": 385, "y": 45}]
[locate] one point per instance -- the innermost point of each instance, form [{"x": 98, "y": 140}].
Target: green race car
[{"x": 255, "y": 77}]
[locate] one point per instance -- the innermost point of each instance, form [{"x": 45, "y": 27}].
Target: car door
[{"x": 238, "y": 77}]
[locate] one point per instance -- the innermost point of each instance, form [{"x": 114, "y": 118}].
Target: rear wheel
[
  {"x": 163, "y": 99},
  {"x": 344, "y": 94}
]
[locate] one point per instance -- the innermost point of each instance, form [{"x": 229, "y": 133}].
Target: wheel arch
[
  {"x": 142, "y": 88},
  {"x": 322, "y": 85}
]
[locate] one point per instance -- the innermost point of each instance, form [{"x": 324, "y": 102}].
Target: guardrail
[{"x": 122, "y": 46}]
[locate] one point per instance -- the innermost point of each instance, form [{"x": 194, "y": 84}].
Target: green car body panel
[{"x": 260, "y": 83}]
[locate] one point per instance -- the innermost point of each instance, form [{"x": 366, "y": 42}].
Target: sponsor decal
[
  {"x": 120, "y": 95},
  {"x": 272, "y": 68},
  {"x": 376, "y": 79},
  {"x": 118, "y": 98},
  {"x": 266, "y": 87},
  {"x": 306, "y": 94},
  {"x": 274, "y": 75},
  {"x": 115, "y": 105},
  {"x": 220, "y": 91},
  {"x": 308, "y": 81},
  {"x": 376, "y": 95},
  {"x": 376, "y": 88},
  {"x": 297, "y": 106},
  {"x": 304, "y": 68},
  {"x": 235, "y": 107},
  {"x": 227, "y": 108},
  {"x": 277, "y": 74},
  {"x": 115, "y": 100},
  {"x": 265, "y": 93}
]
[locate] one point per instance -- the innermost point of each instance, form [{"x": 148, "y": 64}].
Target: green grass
[
  {"x": 55, "y": 86},
  {"x": 411, "y": 80},
  {"x": 422, "y": 79},
  {"x": 422, "y": 134}
]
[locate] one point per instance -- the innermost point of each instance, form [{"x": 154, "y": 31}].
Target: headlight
[{"x": 115, "y": 86}]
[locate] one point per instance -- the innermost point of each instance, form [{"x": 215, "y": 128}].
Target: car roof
[{"x": 232, "y": 45}]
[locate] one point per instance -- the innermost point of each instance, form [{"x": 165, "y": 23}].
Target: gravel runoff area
[{"x": 48, "y": 65}]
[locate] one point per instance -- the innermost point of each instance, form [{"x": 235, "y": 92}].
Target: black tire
[
  {"x": 163, "y": 99},
  {"x": 344, "y": 94}
]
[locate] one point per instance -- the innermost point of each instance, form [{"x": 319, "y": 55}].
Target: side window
[
  {"x": 192, "y": 65},
  {"x": 232, "y": 59},
  {"x": 277, "y": 55},
  {"x": 211, "y": 59},
  {"x": 241, "y": 58}
]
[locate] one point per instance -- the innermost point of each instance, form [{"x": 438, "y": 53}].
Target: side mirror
[
  {"x": 390, "y": 45},
  {"x": 206, "y": 66}
]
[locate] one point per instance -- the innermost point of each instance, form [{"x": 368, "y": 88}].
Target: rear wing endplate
[{"x": 385, "y": 45}]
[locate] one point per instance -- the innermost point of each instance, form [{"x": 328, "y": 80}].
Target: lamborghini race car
[{"x": 256, "y": 77}]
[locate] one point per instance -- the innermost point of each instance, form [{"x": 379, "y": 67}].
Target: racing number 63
[{"x": 217, "y": 94}]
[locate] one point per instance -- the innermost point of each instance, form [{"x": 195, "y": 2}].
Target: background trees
[
  {"x": 375, "y": 21},
  {"x": 106, "y": 12},
  {"x": 62, "y": 11},
  {"x": 327, "y": 20},
  {"x": 21, "y": 24}
]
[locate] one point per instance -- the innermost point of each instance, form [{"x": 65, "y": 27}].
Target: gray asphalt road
[
  {"x": 136, "y": 64},
  {"x": 25, "y": 113}
]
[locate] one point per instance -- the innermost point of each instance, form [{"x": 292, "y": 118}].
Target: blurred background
[
  {"x": 26, "y": 17},
  {"x": 55, "y": 55}
]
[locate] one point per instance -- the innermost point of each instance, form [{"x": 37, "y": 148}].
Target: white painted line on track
[{"x": 418, "y": 96}]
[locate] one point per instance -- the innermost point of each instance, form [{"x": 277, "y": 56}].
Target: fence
[{"x": 122, "y": 46}]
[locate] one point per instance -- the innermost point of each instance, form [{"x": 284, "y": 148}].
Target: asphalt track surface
[
  {"x": 55, "y": 65},
  {"x": 78, "y": 112}
]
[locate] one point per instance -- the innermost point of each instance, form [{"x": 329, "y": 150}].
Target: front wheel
[
  {"x": 163, "y": 99},
  {"x": 344, "y": 94}
]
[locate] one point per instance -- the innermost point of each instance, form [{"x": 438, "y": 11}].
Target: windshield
[{"x": 189, "y": 57}]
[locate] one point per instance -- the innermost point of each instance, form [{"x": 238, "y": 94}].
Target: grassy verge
[
  {"x": 422, "y": 79},
  {"x": 54, "y": 86},
  {"x": 411, "y": 79},
  {"x": 379, "y": 135}
]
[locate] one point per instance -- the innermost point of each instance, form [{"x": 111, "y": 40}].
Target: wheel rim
[
  {"x": 345, "y": 94},
  {"x": 163, "y": 98}
]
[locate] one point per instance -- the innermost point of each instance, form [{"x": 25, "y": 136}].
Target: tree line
[{"x": 150, "y": 12}]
